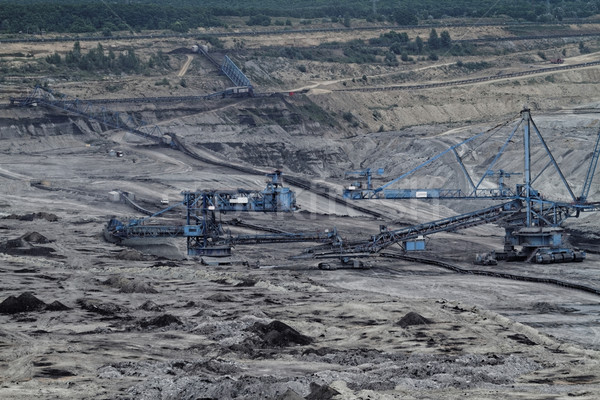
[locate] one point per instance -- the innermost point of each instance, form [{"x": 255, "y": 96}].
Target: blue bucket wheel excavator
[
  {"x": 202, "y": 228},
  {"x": 532, "y": 222}
]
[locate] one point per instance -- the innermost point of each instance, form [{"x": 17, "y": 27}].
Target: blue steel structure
[
  {"x": 534, "y": 222},
  {"x": 202, "y": 229},
  {"x": 412, "y": 237},
  {"x": 234, "y": 73},
  {"x": 363, "y": 173}
]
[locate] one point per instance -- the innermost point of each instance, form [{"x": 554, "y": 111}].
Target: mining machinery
[
  {"x": 203, "y": 230},
  {"x": 532, "y": 222}
]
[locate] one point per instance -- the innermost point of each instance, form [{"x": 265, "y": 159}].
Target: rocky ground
[{"x": 81, "y": 317}]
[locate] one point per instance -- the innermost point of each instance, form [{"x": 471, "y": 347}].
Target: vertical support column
[{"x": 527, "y": 167}]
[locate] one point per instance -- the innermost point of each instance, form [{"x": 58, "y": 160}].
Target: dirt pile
[
  {"x": 31, "y": 216},
  {"x": 413, "y": 318},
  {"x": 127, "y": 285},
  {"x": 220, "y": 298},
  {"x": 160, "y": 321},
  {"x": 26, "y": 245},
  {"x": 57, "y": 306},
  {"x": 321, "y": 392},
  {"x": 99, "y": 307},
  {"x": 151, "y": 306},
  {"x": 27, "y": 302},
  {"x": 35, "y": 237},
  {"x": 278, "y": 334}
]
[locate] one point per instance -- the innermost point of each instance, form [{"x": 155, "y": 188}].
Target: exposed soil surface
[{"x": 84, "y": 318}]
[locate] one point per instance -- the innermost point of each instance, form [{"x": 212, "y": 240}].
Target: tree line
[
  {"x": 98, "y": 59},
  {"x": 384, "y": 49},
  {"x": 84, "y": 16}
]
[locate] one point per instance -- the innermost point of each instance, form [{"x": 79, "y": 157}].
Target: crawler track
[{"x": 502, "y": 275}]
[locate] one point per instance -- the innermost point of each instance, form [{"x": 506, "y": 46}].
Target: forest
[{"x": 107, "y": 16}]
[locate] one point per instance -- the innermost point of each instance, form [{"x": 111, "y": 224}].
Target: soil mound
[
  {"x": 57, "y": 306},
  {"x": 324, "y": 392},
  {"x": 170, "y": 264},
  {"x": 14, "y": 244},
  {"x": 151, "y": 306},
  {"x": 30, "y": 217},
  {"x": 161, "y": 321},
  {"x": 246, "y": 282},
  {"x": 278, "y": 334},
  {"x": 98, "y": 307},
  {"x": 23, "y": 246},
  {"x": 126, "y": 285},
  {"x": 25, "y": 302},
  {"x": 35, "y": 237},
  {"x": 220, "y": 298},
  {"x": 413, "y": 318}
]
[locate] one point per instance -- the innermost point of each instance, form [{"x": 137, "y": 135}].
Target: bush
[
  {"x": 54, "y": 59},
  {"x": 259, "y": 19},
  {"x": 476, "y": 66}
]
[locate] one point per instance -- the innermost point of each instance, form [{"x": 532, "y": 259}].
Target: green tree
[
  {"x": 73, "y": 56},
  {"x": 390, "y": 58},
  {"x": 128, "y": 61},
  {"x": 179, "y": 26},
  {"x": 434, "y": 41},
  {"x": 259, "y": 19},
  {"x": 347, "y": 21},
  {"x": 445, "y": 40},
  {"x": 397, "y": 48},
  {"x": 419, "y": 44},
  {"x": 404, "y": 16},
  {"x": 54, "y": 59}
]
